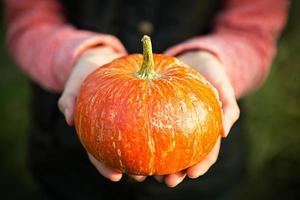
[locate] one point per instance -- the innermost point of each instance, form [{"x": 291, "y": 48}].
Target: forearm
[
  {"x": 44, "y": 45},
  {"x": 244, "y": 40}
]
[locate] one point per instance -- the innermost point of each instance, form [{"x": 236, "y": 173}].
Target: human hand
[
  {"x": 88, "y": 62},
  {"x": 213, "y": 70}
]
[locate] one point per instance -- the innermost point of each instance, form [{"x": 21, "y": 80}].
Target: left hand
[{"x": 213, "y": 70}]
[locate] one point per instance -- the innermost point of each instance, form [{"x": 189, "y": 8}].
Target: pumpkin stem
[{"x": 147, "y": 69}]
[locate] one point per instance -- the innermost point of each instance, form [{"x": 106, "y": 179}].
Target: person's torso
[
  {"x": 168, "y": 22},
  {"x": 55, "y": 144}
]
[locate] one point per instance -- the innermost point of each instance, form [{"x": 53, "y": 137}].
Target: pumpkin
[{"x": 148, "y": 114}]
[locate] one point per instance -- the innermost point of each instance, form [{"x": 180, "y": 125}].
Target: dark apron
[{"x": 56, "y": 157}]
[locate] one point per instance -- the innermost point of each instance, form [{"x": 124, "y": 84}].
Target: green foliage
[
  {"x": 273, "y": 115},
  {"x": 16, "y": 182}
]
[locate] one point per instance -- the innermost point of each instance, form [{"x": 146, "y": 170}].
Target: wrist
[
  {"x": 98, "y": 54},
  {"x": 97, "y": 50},
  {"x": 200, "y": 55}
]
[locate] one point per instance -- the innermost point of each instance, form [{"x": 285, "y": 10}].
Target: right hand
[{"x": 88, "y": 62}]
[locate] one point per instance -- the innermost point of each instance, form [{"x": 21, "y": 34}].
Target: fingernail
[
  {"x": 140, "y": 179},
  {"x": 115, "y": 178}
]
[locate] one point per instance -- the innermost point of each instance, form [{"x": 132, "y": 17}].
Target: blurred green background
[{"x": 272, "y": 118}]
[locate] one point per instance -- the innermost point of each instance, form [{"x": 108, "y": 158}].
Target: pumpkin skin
[{"x": 148, "y": 127}]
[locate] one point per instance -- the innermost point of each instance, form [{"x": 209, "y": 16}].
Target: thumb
[
  {"x": 66, "y": 105},
  {"x": 67, "y": 101}
]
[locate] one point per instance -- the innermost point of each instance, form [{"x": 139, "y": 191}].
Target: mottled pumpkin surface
[{"x": 147, "y": 127}]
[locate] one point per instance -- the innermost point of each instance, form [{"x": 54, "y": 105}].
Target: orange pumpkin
[{"x": 148, "y": 114}]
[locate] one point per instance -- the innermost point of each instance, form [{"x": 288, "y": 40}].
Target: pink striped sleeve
[
  {"x": 244, "y": 40},
  {"x": 44, "y": 45}
]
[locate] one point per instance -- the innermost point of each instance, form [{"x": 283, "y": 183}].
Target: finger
[
  {"x": 202, "y": 167},
  {"x": 67, "y": 101},
  {"x": 159, "y": 178},
  {"x": 230, "y": 107},
  {"x": 231, "y": 113},
  {"x": 172, "y": 180},
  {"x": 108, "y": 172},
  {"x": 66, "y": 105},
  {"x": 138, "y": 178}
]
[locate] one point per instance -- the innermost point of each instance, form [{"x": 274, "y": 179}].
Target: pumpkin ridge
[{"x": 148, "y": 126}]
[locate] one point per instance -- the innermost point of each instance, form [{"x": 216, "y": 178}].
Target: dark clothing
[
  {"x": 58, "y": 160},
  {"x": 173, "y": 21}
]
